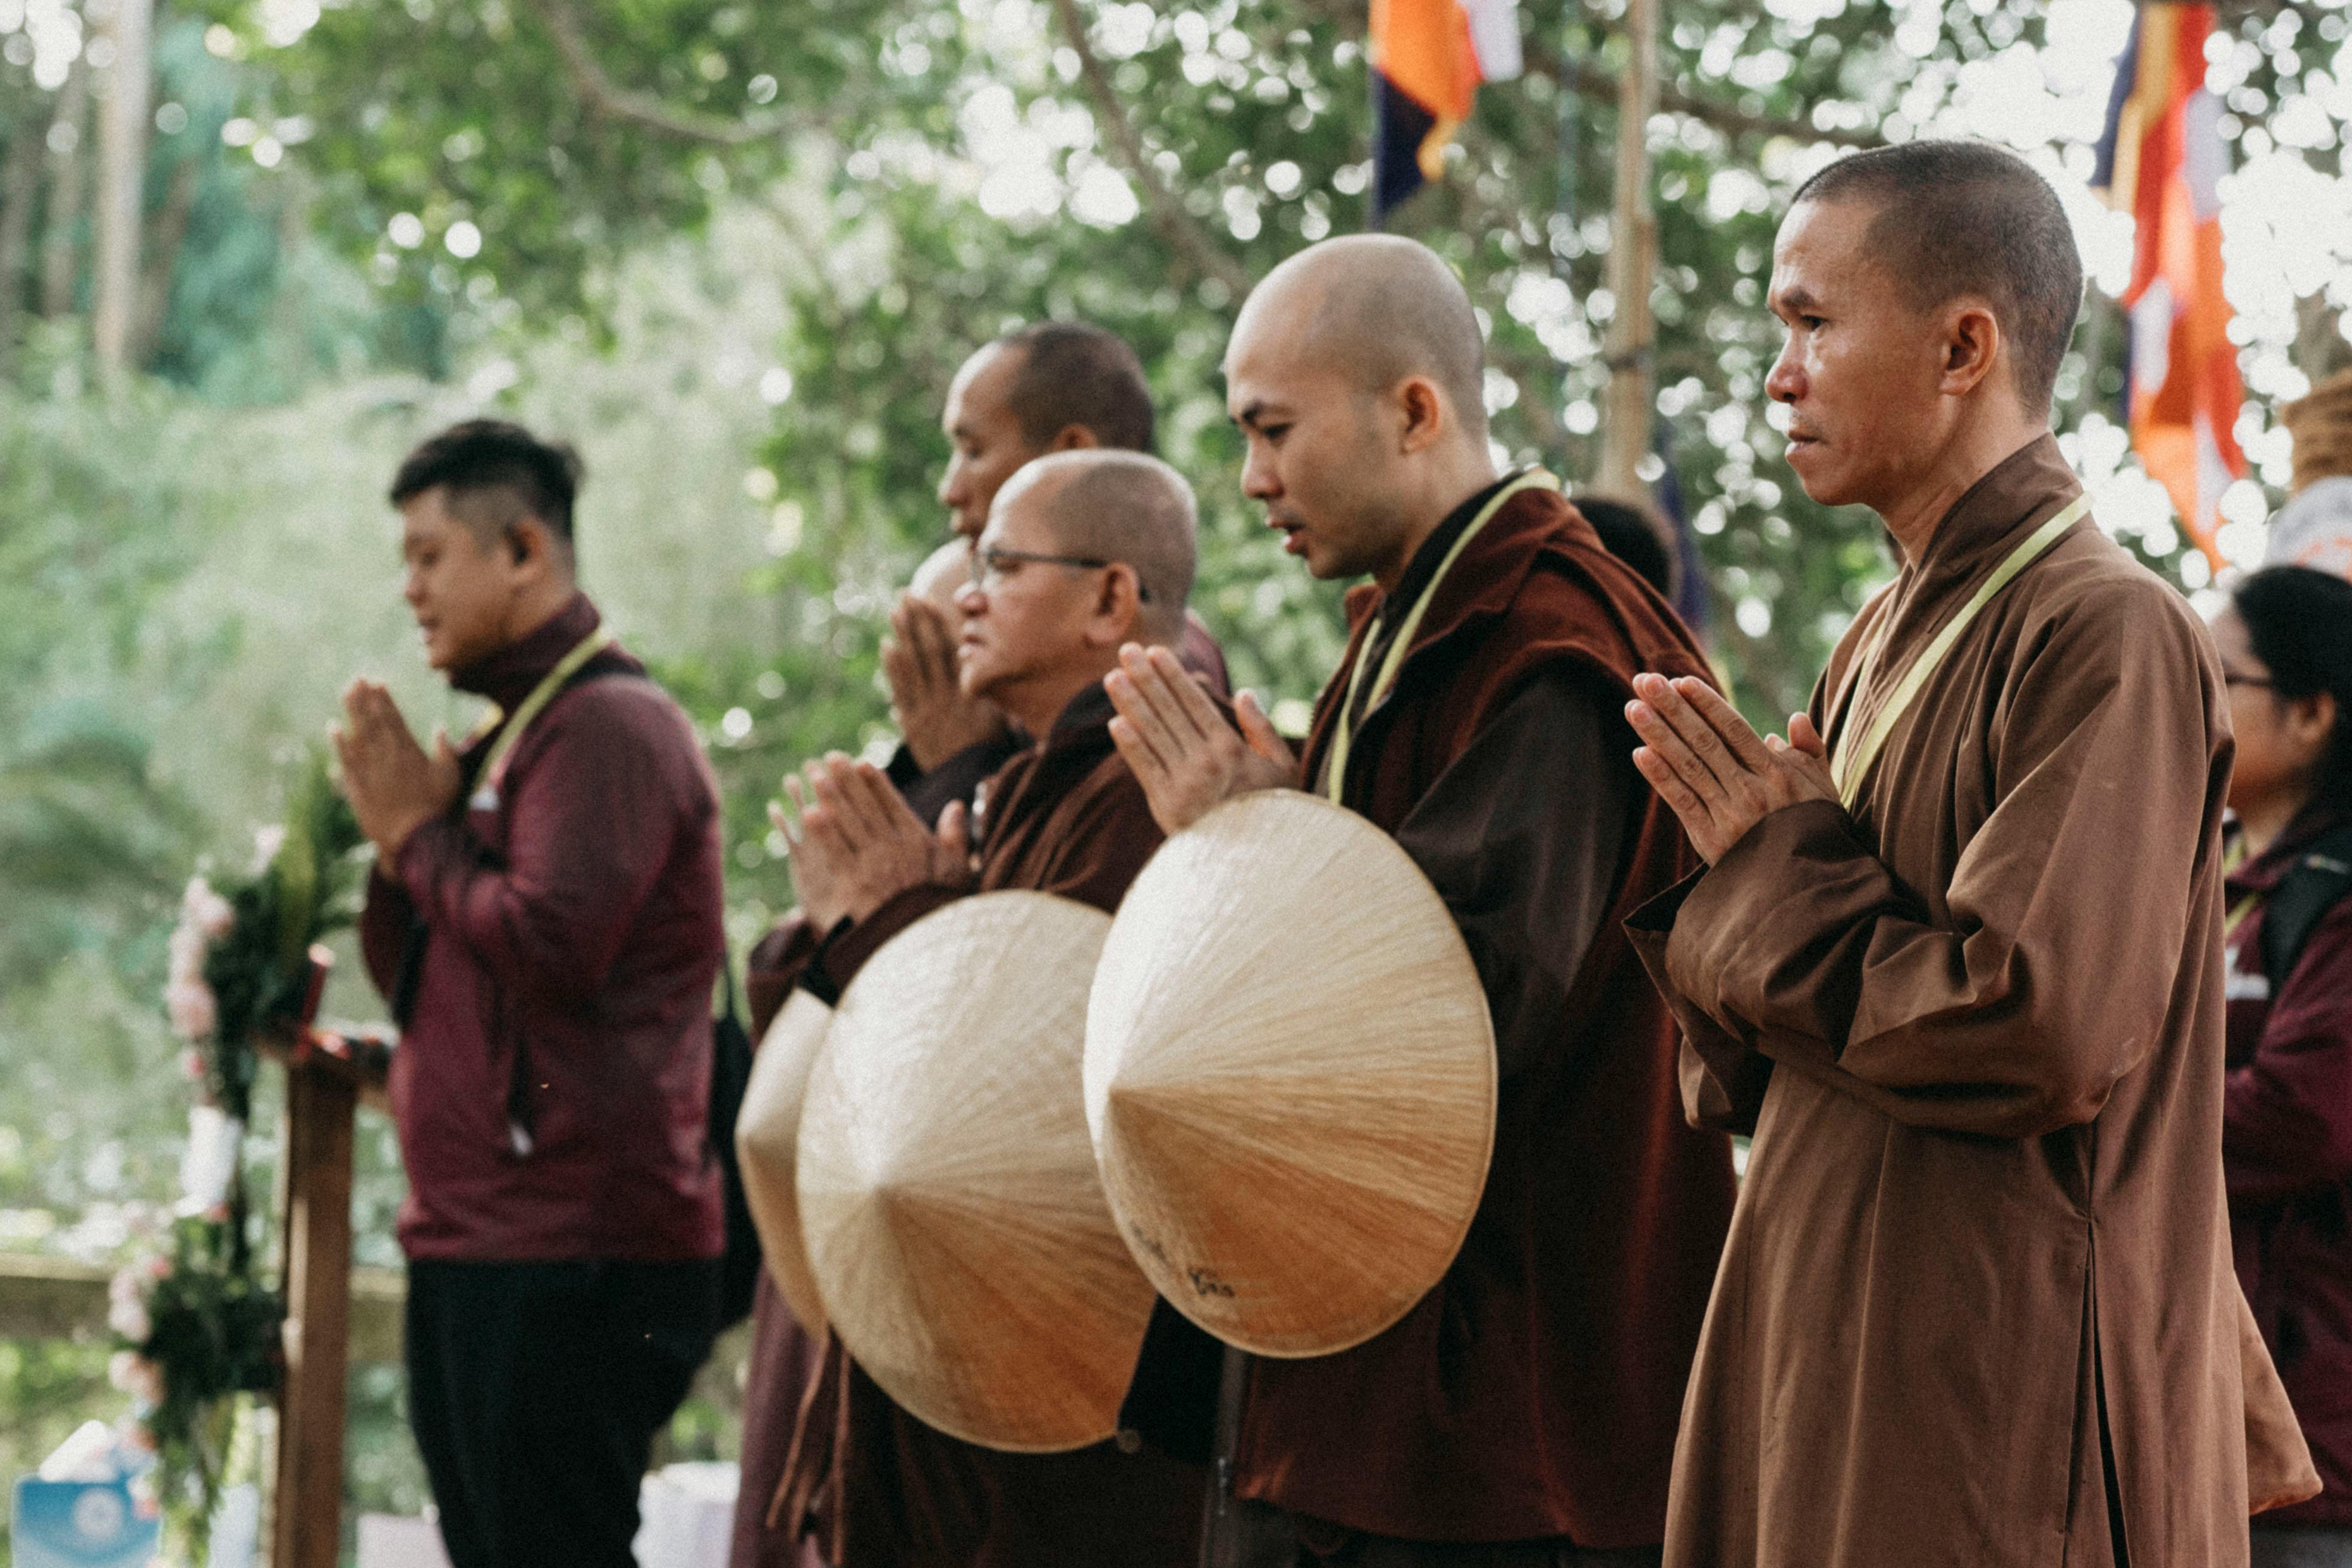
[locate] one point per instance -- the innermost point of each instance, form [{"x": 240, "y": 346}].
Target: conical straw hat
[
  {"x": 948, "y": 1191},
  {"x": 768, "y": 1144},
  {"x": 1289, "y": 1076}
]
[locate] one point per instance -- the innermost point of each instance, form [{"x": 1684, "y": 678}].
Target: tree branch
[
  {"x": 604, "y": 96},
  {"x": 1168, "y": 215},
  {"x": 1596, "y": 83}
]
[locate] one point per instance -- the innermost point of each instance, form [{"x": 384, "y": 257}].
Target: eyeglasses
[
  {"x": 992, "y": 560},
  {"x": 2234, "y": 678}
]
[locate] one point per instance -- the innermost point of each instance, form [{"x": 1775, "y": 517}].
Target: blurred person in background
[{"x": 2285, "y": 642}]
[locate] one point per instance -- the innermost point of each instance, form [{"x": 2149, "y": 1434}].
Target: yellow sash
[
  {"x": 1850, "y": 761},
  {"x": 494, "y": 767},
  {"x": 1335, "y": 774}
]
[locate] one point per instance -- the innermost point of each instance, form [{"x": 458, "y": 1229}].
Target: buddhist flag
[
  {"x": 1428, "y": 58},
  {"x": 2162, "y": 160}
]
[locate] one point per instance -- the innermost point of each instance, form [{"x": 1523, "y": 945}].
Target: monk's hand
[
  {"x": 1714, "y": 773},
  {"x": 395, "y": 785},
  {"x": 919, "y": 662},
  {"x": 1181, "y": 749},
  {"x": 858, "y": 843}
]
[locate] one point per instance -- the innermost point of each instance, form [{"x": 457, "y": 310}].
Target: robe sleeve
[
  {"x": 2051, "y": 974},
  {"x": 593, "y": 822},
  {"x": 2286, "y": 1115},
  {"x": 1522, "y": 836}
]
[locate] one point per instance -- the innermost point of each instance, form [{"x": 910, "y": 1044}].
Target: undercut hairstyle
[
  {"x": 1391, "y": 308},
  {"x": 1127, "y": 507},
  {"x": 2300, "y": 621},
  {"x": 495, "y": 473},
  {"x": 1629, "y": 532},
  {"x": 1960, "y": 219},
  {"x": 1073, "y": 373}
]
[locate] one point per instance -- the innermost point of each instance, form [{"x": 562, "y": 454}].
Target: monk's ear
[
  {"x": 1119, "y": 608},
  {"x": 1072, "y": 439},
  {"x": 1972, "y": 342},
  {"x": 1422, "y": 411}
]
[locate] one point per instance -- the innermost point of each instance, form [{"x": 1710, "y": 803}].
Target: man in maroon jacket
[
  {"x": 1523, "y": 1414},
  {"x": 544, "y": 919}
]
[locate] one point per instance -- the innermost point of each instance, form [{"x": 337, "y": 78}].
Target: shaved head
[
  {"x": 942, "y": 576},
  {"x": 1118, "y": 506},
  {"x": 1382, "y": 309}
]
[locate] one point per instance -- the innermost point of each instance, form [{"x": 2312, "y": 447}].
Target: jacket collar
[
  {"x": 2267, "y": 870},
  {"x": 507, "y": 676}
]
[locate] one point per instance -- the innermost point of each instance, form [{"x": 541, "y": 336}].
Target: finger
[
  {"x": 1136, "y": 753},
  {"x": 1157, "y": 709},
  {"x": 1805, "y": 738},
  {"x": 783, "y": 825},
  {"x": 794, "y": 831},
  {"x": 1687, "y": 807},
  {"x": 1143, "y": 720},
  {"x": 1699, "y": 740},
  {"x": 1666, "y": 743},
  {"x": 1726, "y": 720},
  {"x": 883, "y": 802},
  {"x": 840, "y": 788},
  {"x": 955, "y": 831},
  {"x": 928, "y": 625},
  {"x": 1259, "y": 731},
  {"x": 1193, "y": 703}
]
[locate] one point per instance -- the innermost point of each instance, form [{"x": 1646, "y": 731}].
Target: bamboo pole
[
  {"x": 121, "y": 186},
  {"x": 1632, "y": 261}
]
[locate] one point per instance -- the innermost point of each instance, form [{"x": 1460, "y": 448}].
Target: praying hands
[
  {"x": 394, "y": 785},
  {"x": 858, "y": 844},
  {"x": 1714, "y": 771},
  {"x": 1179, "y": 747}
]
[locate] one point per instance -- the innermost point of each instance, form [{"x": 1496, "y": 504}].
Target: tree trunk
[
  {"x": 1633, "y": 260},
  {"x": 164, "y": 237},
  {"x": 68, "y": 180},
  {"x": 121, "y": 188},
  {"x": 20, "y": 182}
]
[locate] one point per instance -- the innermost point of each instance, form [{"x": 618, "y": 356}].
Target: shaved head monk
[
  {"x": 1955, "y": 963},
  {"x": 1522, "y": 1413},
  {"x": 1055, "y": 386},
  {"x": 1083, "y": 552}
]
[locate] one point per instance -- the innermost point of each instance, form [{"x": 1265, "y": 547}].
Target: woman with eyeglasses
[{"x": 2285, "y": 642}]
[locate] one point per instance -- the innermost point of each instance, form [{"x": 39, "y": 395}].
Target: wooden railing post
[{"x": 322, "y": 1094}]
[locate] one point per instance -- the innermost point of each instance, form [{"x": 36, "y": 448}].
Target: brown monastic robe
[
  {"x": 875, "y": 1486},
  {"x": 1976, "y": 1298},
  {"x": 1532, "y": 1393}
]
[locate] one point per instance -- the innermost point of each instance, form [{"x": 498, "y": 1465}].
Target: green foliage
[{"x": 259, "y": 972}]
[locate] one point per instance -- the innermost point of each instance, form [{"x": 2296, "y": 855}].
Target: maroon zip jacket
[
  {"x": 2286, "y": 1153},
  {"x": 570, "y": 938}
]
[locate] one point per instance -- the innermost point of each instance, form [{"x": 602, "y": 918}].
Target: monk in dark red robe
[
  {"x": 1524, "y": 1412},
  {"x": 1057, "y": 386},
  {"x": 1957, "y": 964},
  {"x": 1082, "y": 552}
]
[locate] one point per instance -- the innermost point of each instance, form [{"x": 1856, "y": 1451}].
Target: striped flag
[
  {"x": 1428, "y": 58},
  {"x": 2161, "y": 160}
]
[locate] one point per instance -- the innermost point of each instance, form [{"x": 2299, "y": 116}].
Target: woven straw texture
[
  {"x": 2320, "y": 422},
  {"x": 948, "y": 1191},
  {"x": 768, "y": 1143},
  {"x": 1289, "y": 1076}
]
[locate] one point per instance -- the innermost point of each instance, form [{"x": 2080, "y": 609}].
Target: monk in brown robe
[
  {"x": 1523, "y": 1413},
  {"x": 1959, "y": 969},
  {"x": 1053, "y": 386},
  {"x": 1083, "y": 552}
]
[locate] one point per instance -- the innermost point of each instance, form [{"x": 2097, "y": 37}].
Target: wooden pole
[
  {"x": 321, "y": 1095},
  {"x": 1632, "y": 261},
  {"x": 121, "y": 187}
]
